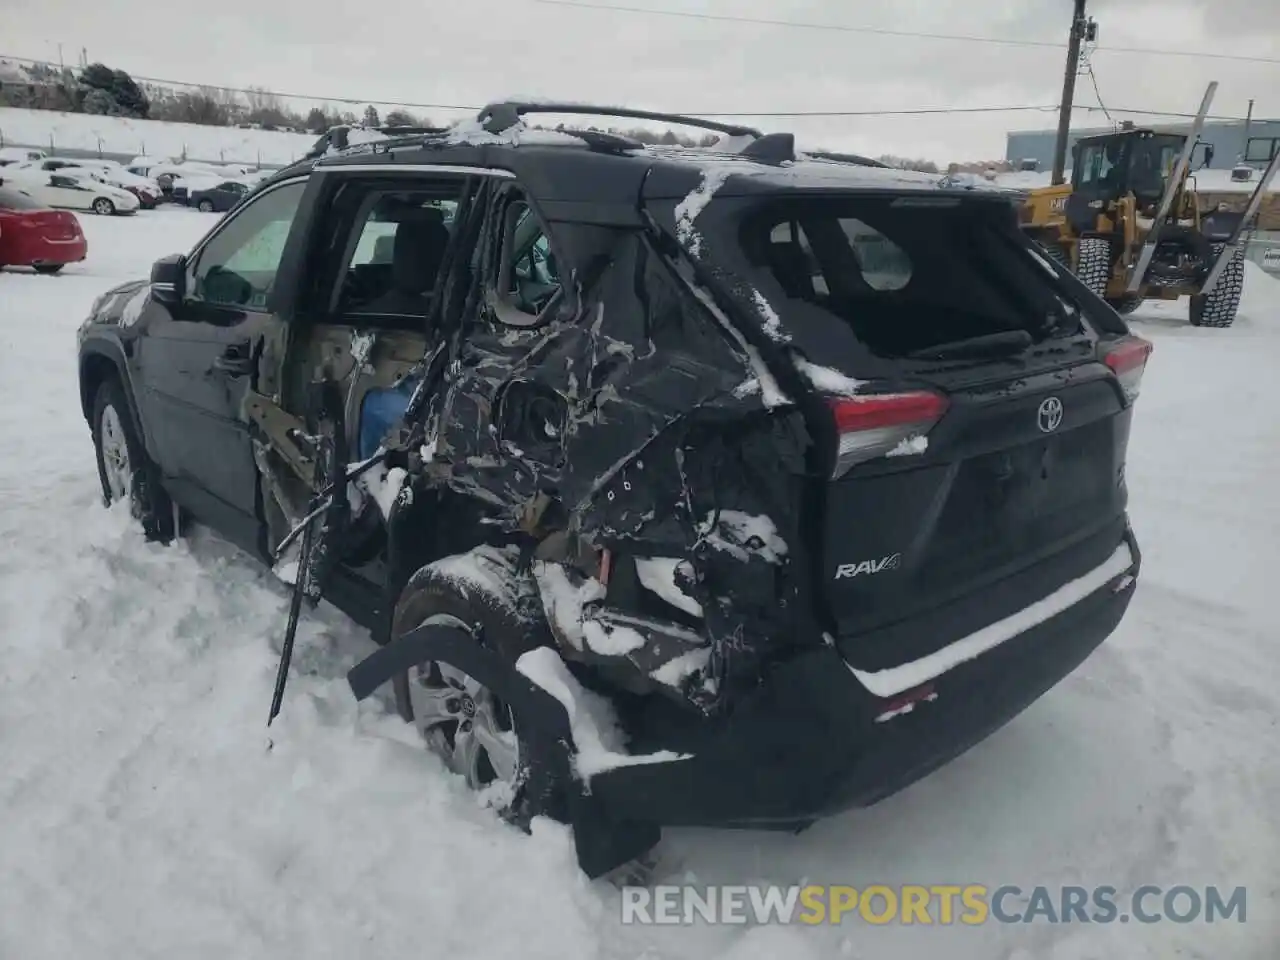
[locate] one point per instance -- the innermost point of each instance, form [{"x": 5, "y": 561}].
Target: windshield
[
  {"x": 906, "y": 277},
  {"x": 1153, "y": 161}
]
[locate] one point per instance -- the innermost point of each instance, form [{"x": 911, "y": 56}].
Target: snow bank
[{"x": 51, "y": 131}]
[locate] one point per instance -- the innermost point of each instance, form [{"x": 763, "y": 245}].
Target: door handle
[{"x": 234, "y": 362}]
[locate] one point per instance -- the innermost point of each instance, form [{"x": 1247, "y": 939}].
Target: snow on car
[
  {"x": 107, "y": 171},
  {"x": 72, "y": 189}
]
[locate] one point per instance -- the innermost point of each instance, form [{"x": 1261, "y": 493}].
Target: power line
[
  {"x": 886, "y": 32},
  {"x": 913, "y": 112},
  {"x": 1087, "y": 60},
  {"x": 354, "y": 101},
  {"x": 780, "y": 114},
  {"x": 1158, "y": 113}
]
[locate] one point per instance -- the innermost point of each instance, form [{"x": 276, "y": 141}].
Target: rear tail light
[
  {"x": 874, "y": 425},
  {"x": 1127, "y": 358}
]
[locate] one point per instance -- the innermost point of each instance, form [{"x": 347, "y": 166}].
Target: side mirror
[{"x": 169, "y": 278}]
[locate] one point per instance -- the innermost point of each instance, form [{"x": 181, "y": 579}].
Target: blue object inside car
[{"x": 382, "y": 409}]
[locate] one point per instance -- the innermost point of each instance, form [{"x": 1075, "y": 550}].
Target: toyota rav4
[{"x": 724, "y": 486}]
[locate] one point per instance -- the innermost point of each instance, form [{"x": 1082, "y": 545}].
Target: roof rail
[
  {"x": 408, "y": 130},
  {"x": 845, "y": 158},
  {"x": 497, "y": 117}
]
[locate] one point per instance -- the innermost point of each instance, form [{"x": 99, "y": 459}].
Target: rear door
[
  {"x": 980, "y": 461},
  {"x": 61, "y": 190}
]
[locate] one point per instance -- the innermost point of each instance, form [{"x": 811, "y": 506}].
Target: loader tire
[
  {"x": 1058, "y": 255},
  {"x": 1218, "y": 309},
  {"x": 1125, "y": 305},
  {"x": 1093, "y": 263}
]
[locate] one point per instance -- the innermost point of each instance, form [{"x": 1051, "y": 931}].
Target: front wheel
[
  {"x": 103, "y": 207},
  {"x": 124, "y": 469},
  {"x": 1093, "y": 263},
  {"x": 1125, "y": 305},
  {"x": 48, "y": 268},
  {"x": 1218, "y": 309}
]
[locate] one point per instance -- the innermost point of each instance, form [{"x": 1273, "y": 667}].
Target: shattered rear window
[{"x": 905, "y": 276}]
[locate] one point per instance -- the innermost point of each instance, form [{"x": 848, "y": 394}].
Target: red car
[{"x": 33, "y": 235}]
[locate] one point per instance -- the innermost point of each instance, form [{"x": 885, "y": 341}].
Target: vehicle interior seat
[{"x": 416, "y": 255}]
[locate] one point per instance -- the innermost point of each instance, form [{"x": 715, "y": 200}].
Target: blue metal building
[{"x": 1230, "y": 144}]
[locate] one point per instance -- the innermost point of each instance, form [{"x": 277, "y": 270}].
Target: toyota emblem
[{"x": 1049, "y": 415}]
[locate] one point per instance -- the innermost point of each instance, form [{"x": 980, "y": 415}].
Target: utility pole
[{"x": 1078, "y": 28}]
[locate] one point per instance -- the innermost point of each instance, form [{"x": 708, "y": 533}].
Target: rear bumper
[
  {"x": 41, "y": 250},
  {"x": 809, "y": 743}
]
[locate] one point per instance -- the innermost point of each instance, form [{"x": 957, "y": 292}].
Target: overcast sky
[{"x": 472, "y": 51}]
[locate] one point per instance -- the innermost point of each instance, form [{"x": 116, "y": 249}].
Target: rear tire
[
  {"x": 1093, "y": 263},
  {"x": 124, "y": 468},
  {"x": 205, "y": 206},
  {"x": 432, "y": 596},
  {"x": 1058, "y": 255},
  {"x": 1125, "y": 305},
  {"x": 48, "y": 269},
  {"x": 1218, "y": 309}
]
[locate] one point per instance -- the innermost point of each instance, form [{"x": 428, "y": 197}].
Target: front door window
[{"x": 238, "y": 266}]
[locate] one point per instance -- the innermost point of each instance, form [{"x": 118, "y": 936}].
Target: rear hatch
[{"x": 979, "y": 466}]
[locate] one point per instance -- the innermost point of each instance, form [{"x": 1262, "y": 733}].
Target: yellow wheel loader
[{"x": 1129, "y": 223}]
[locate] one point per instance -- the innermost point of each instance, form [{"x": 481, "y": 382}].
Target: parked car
[
  {"x": 12, "y": 155},
  {"x": 218, "y": 198},
  {"x": 73, "y": 190},
  {"x": 33, "y": 235},
  {"x": 108, "y": 171},
  {"x": 809, "y": 472}
]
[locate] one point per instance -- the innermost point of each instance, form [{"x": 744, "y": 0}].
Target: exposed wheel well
[
  {"x": 455, "y": 522},
  {"x": 95, "y": 369}
]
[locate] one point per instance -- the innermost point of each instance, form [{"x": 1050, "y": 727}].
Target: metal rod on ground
[
  {"x": 295, "y": 610},
  {"x": 1171, "y": 190},
  {"x": 1068, "y": 93},
  {"x": 1246, "y": 218}
]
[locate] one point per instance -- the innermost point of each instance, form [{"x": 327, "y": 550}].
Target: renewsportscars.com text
[{"x": 941, "y": 904}]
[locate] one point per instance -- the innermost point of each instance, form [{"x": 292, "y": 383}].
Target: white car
[
  {"x": 11, "y": 155},
  {"x": 146, "y": 190},
  {"x": 66, "y": 191}
]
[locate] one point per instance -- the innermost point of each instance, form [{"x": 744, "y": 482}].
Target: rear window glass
[
  {"x": 904, "y": 275},
  {"x": 17, "y": 200}
]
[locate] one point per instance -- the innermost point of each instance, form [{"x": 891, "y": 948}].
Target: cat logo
[
  {"x": 1058, "y": 205},
  {"x": 891, "y": 562}
]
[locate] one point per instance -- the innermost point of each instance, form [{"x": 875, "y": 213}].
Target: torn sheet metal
[{"x": 629, "y": 416}]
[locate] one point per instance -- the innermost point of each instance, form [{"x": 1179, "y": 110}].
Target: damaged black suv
[{"x": 726, "y": 486}]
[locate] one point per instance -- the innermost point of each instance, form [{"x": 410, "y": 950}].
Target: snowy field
[
  {"x": 145, "y": 814},
  {"x": 83, "y": 131}
]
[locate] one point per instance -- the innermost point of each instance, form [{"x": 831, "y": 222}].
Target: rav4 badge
[{"x": 891, "y": 562}]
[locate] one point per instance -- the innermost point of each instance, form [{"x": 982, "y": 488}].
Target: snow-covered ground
[
  {"x": 123, "y": 135},
  {"x": 145, "y": 812}
]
